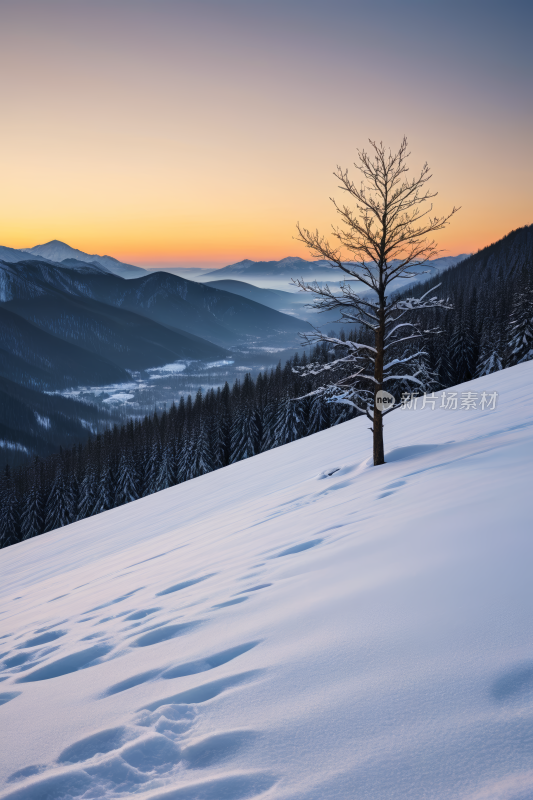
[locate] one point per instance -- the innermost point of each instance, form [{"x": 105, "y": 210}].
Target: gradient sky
[{"x": 199, "y": 133}]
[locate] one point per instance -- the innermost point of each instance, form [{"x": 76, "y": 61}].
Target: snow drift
[{"x": 300, "y": 625}]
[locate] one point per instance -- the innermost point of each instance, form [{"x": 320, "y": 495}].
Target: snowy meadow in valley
[{"x": 297, "y": 625}]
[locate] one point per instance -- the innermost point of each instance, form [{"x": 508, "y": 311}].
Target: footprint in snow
[
  {"x": 234, "y": 602},
  {"x": 71, "y": 663},
  {"x": 254, "y": 588},
  {"x": 184, "y": 585},
  {"x": 390, "y": 489},
  {"x": 154, "y": 752},
  {"x": 183, "y": 670},
  {"x": 115, "y": 601},
  {"x": 515, "y": 684},
  {"x": 298, "y": 548},
  {"x": 164, "y": 633}
]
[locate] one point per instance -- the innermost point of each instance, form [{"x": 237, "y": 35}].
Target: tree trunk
[
  {"x": 377, "y": 427},
  {"x": 379, "y": 450}
]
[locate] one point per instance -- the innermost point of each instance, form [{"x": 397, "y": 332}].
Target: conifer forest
[{"x": 489, "y": 328}]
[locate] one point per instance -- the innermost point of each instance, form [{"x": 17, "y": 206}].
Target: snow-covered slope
[{"x": 300, "y": 625}]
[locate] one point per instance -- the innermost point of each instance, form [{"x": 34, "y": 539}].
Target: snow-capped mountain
[
  {"x": 289, "y": 267},
  {"x": 296, "y": 626},
  {"x": 279, "y": 274},
  {"x": 55, "y": 332},
  {"x": 193, "y": 308},
  {"x": 59, "y": 251}
]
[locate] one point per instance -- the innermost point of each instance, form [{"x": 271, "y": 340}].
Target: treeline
[
  {"x": 139, "y": 458},
  {"x": 491, "y": 324},
  {"x": 489, "y": 328}
]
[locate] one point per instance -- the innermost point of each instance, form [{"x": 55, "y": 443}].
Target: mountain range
[
  {"x": 60, "y": 252},
  {"x": 60, "y": 328},
  {"x": 279, "y": 274},
  {"x": 75, "y": 323},
  {"x": 70, "y": 319},
  {"x": 263, "y": 274}
]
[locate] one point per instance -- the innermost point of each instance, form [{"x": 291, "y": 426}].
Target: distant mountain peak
[{"x": 58, "y": 251}]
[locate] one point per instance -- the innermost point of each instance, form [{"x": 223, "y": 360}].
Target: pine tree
[
  {"x": 462, "y": 351},
  {"x": 270, "y": 415},
  {"x": 165, "y": 475},
  {"x": 341, "y": 413},
  {"x": 319, "y": 415},
  {"x": 202, "y": 455},
  {"x": 87, "y": 496},
  {"x": 105, "y": 491},
  {"x": 489, "y": 359},
  {"x": 217, "y": 440},
  {"x": 244, "y": 434},
  {"x": 289, "y": 423},
  {"x": 186, "y": 461},
  {"x": 151, "y": 470},
  {"x": 520, "y": 328},
  {"x": 31, "y": 521},
  {"x": 126, "y": 483},
  {"x": 59, "y": 510},
  {"x": 9, "y": 511}
]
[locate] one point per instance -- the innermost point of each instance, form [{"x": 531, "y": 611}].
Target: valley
[{"x": 157, "y": 388}]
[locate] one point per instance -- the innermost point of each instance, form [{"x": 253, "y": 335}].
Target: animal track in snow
[
  {"x": 162, "y": 634},
  {"x": 44, "y": 638},
  {"x": 26, "y": 772},
  {"x": 116, "y": 600},
  {"x": 515, "y": 684},
  {"x": 129, "y": 683},
  {"x": 184, "y": 585},
  {"x": 298, "y": 548},
  {"x": 64, "y": 666},
  {"x": 5, "y": 697},
  {"x": 182, "y": 670},
  {"x": 390, "y": 489},
  {"x": 233, "y": 602},
  {"x": 68, "y": 785},
  {"x": 49, "y": 627},
  {"x": 101, "y": 742},
  {"x": 210, "y": 662},
  {"x": 154, "y": 753},
  {"x": 142, "y": 613},
  {"x": 200, "y": 694},
  {"x": 395, "y": 485},
  {"x": 20, "y": 662},
  {"x": 214, "y": 749},
  {"x": 254, "y": 588},
  {"x": 17, "y": 660}
]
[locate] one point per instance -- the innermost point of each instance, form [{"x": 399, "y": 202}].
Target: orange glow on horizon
[{"x": 128, "y": 139}]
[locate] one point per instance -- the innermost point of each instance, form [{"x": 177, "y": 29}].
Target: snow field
[{"x": 299, "y": 625}]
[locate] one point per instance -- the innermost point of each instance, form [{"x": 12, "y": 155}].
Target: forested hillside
[
  {"x": 491, "y": 324},
  {"x": 489, "y": 328},
  {"x": 36, "y": 422},
  {"x": 145, "y": 456}
]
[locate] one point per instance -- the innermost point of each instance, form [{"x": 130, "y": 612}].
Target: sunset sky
[{"x": 198, "y": 133}]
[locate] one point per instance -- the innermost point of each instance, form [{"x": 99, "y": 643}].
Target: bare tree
[{"x": 386, "y": 237}]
